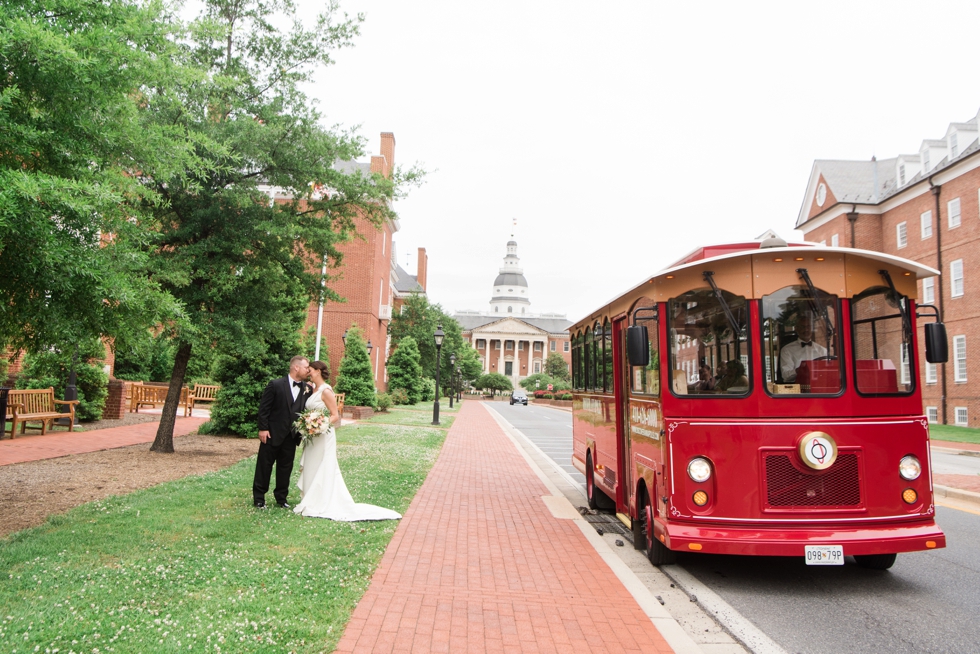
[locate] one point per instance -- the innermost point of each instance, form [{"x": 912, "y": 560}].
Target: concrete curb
[{"x": 946, "y": 492}]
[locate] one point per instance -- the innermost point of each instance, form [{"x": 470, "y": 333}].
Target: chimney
[
  {"x": 423, "y": 268},
  {"x": 388, "y": 152}
]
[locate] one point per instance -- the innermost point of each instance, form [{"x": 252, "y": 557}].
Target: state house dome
[{"x": 510, "y": 287}]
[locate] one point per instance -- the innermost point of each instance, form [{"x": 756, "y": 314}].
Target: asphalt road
[{"x": 927, "y": 602}]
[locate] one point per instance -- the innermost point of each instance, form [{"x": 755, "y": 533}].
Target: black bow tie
[
  {"x": 806, "y": 343},
  {"x": 298, "y": 384}
]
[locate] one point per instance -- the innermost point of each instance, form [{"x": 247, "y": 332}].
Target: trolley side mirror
[
  {"x": 638, "y": 345},
  {"x": 937, "y": 347}
]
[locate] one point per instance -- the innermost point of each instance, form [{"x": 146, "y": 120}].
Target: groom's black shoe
[
  {"x": 259, "y": 504},
  {"x": 284, "y": 505}
]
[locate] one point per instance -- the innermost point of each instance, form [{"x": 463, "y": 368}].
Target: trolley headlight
[
  {"x": 699, "y": 469},
  {"x": 910, "y": 468}
]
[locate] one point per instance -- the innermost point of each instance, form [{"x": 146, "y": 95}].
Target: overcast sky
[{"x": 620, "y": 135}]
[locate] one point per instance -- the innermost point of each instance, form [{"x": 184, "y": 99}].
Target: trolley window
[
  {"x": 607, "y": 360},
  {"x": 882, "y": 334},
  {"x": 801, "y": 342},
  {"x": 709, "y": 344},
  {"x": 646, "y": 379}
]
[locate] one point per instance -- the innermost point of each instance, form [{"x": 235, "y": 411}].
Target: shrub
[
  {"x": 539, "y": 394},
  {"x": 355, "y": 377},
  {"x": 549, "y": 396},
  {"x": 384, "y": 401},
  {"x": 493, "y": 382},
  {"x": 405, "y": 369},
  {"x": 428, "y": 389},
  {"x": 399, "y": 396},
  {"x": 566, "y": 396},
  {"x": 52, "y": 367}
]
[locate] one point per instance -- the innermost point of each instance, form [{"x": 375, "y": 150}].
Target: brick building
[
  {"x": 925, "y": 207},
  {"x": 509, "y": 339},
  {"x": 370, "y": 280}
]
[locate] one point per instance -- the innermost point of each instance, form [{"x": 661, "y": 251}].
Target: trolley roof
[{"x": 754, "y": 272}]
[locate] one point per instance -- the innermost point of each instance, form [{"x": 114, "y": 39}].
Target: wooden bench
[
  {"x": 143, "y": 395},
  {"x": 36, "y": 405},
  {"x": 340, "y": 403},
  {"x": 203, "y": 393}
]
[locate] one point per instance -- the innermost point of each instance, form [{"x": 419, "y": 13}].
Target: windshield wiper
[{"x": 815, "y": 304}]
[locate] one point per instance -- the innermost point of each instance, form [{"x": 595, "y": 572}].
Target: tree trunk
[{"x": 164, "y": 442}]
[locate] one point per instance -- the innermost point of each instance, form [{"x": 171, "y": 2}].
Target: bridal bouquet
[{"x": 312, "y": 423}]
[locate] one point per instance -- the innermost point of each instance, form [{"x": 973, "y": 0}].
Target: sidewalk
[
  {"x": 63, "y": 443},
  {"x": 963, "y": 487},
  {"x": 486, "y": 559}
]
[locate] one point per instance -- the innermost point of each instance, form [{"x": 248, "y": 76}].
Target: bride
[{"x": 321, "y": 484}]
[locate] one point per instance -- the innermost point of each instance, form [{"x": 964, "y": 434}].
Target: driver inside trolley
[{"x": 804, "y": 348}]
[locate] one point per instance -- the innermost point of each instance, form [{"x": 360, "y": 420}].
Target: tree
[
  {"x": 220, "y": 247},
  {"x": 493, "y": 382},
  {"x": 405, "y": 369},
  {"x": 537, "y": 381},
  {"x": 419, "y": 319},
  {"x": 74, "y": 128},
  {"x": 355, "y": 377},
  {"x": 556, "y": 366}
]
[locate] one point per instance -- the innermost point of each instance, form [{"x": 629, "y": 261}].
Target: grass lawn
[
  {"x": 427, "y": 406},
  {"x": 190, "y": 566},
  {"x": 953, "y": 433},
  {"x": 412, "y": 416}
]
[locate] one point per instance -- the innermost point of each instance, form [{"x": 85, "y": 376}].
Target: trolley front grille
[{"x": 787, "y": 486}]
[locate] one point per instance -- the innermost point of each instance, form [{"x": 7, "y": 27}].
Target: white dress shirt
[{"x": 791, "y": 356}]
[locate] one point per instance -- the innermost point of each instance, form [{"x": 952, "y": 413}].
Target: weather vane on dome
[{"x": 514, "y": 228}]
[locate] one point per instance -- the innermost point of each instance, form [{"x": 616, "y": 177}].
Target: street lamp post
[
  {"x": 459, "y": 385},
  {"x": 452, "y": 379},
  {"x": 437, "y": 337}
]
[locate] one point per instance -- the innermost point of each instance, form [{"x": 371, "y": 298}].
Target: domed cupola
[{"x": 510, "y": 287}]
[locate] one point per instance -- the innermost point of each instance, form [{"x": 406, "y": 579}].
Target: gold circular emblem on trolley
[{"x": 818, "y": 450}]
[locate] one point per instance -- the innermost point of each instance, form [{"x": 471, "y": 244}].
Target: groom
[{"x": 282, "y": 401}]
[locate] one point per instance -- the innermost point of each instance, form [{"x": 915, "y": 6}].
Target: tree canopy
[
  {"x": 355, "y": 377},
  {"x": 420, "y": 319},
  {"x": 405, "y": 369},
  {"x": 556, "y": 366}
]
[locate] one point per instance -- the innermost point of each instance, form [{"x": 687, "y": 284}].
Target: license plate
[{"x": 824, "y": 554}]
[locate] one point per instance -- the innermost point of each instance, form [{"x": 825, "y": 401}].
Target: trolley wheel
[
  {"x": 590, "y": 489},
  {"x": 876, "y": 561},
  {"x": 657, "y": 552}
]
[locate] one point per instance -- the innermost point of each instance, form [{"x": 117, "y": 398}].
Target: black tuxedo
[{"x": 277, "y": 413}]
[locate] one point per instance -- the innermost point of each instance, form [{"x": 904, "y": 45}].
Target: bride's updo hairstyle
[{"x": 322, "y": 367}]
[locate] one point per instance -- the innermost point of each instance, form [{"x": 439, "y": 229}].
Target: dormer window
[
  {"x": 901, "y": 174},
  {"x": 954, "y": 146},
  {"x": 925, "y": 159}
]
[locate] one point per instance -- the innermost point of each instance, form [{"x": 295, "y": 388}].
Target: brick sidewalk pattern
[
  {"x": 63, "y": 443},
  {"x": 479, "y": 564}
]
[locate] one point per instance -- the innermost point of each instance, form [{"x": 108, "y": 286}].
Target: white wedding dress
[{"x": 321, "y": 484}]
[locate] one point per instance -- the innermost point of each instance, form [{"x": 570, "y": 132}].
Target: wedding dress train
[{"x": 321, "y": 484}]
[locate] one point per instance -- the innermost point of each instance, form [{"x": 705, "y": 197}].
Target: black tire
[
  {"x": 876, "y": 561},
  {"x": 590, "y": 489},
  {"x": 657, "y": 552}
]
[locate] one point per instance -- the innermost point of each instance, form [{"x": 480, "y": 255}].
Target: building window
[
  {"x": 834, "y": 240},
  {"x": 496, "y": 309},
  {"x": 537, "y": 367},
  {"x": 954, "y": 145},
  {"x": 901, "y": 174},
  {"x": 956, "y": 278},
  {"x": 930, "y": 373},
  {"x": 520, "y": 346},
  {"x": 932, "y": 414},
  {"x": 522, "y": 309},
  {"x": 906, "y": 372},
  {"x": 925, "y": 222},
  {"x": 565, "y": 346},
  {"x": 959, "y": 359},
  {"x": 928, "y": 290},
  {"x": 953, "y": 211},
  {"x": 537, "y": 346},
  {"x": 961, "y": 416},
  {"x": 509, "y": 345},
  {"x": 510, "y": 309},
  {"x": 554, "y": 346},
  {"x": 925, "y": 160},
  {"x": 902, "y": 235},
  {"x": 480, "y": 343}
]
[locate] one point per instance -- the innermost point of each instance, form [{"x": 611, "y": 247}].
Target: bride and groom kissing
[{"x": 323, "y": 492}]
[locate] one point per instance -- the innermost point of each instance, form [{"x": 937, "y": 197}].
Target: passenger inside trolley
[{"x": 804, "y": 348}]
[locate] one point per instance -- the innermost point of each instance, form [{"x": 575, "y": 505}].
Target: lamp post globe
[{"x": 437, "y": 337}]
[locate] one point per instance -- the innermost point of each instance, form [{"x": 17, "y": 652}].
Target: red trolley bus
[{"x": 761, "y": 399}]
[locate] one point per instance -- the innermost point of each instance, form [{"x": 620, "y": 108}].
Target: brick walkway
[
  {"x": 63, "y": 443},
  {"x": 479, "y": 564}
]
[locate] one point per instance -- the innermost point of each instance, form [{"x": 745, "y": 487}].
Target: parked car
[{"x": 518, "y": 397}]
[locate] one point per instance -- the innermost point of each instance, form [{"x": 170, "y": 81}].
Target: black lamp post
[
  {"x": 344, "y": 338},
  {"x": 459, "y": 385},
  {"x": 437, "y": 337},
  {"x": 452, "y": 378},
  {"x": 369, "y": 347}
]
